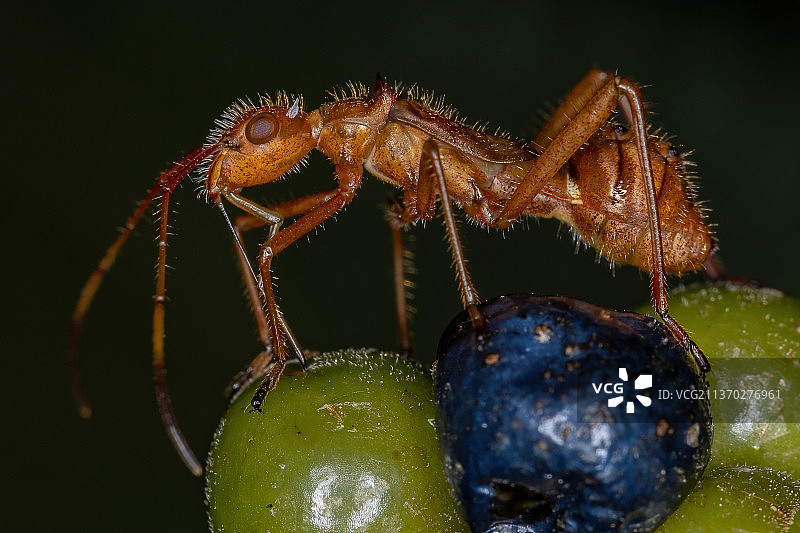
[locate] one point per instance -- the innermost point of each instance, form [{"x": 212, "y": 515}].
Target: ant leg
[
  {"x": 247, "y": 222},
  {"x": 349, "y": 180},
  {"x": 274, "y": 319},
  {"x": 257, "y": 365},
  {"x": 590, "y": 118},
  {"x": 577, "y": 99},
  {"x": 432, "y": 171},
  {"x": 402, "y": 261},
  {"x": 279, "y": 331},
  {"x": 659, "y": 288},
  {"x": 593, "y": 112}
]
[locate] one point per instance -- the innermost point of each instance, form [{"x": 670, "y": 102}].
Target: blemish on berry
[
  {"x": 572, "y": 349},
  {"x": 543, "y": 333},
  {"x": 662, "y": 428},
  {"x": 491, "y": 359}
]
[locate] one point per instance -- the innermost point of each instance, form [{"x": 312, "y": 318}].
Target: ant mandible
[{"x": 624, "y": 192}]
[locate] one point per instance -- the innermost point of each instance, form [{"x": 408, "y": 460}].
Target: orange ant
[{"x": 624, "y": 192}]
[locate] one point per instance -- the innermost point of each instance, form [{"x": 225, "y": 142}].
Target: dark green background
[{"x": 99, "y": 100}]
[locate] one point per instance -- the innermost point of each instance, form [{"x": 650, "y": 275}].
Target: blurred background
[{"x": 99, "y": 100}]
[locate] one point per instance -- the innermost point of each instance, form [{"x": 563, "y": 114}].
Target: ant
[{"x": 624, "y": 191}]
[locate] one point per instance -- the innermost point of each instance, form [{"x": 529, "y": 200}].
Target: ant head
[{"x": 259, "y": 144}]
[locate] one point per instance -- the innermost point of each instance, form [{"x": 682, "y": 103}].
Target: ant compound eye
[
  {"x": 261, "y": 128},
  {"x": 619, "y": 131}
]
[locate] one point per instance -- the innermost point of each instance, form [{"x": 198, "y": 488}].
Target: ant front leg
[
  {"x": 281, "y": 336},
  {"x": 242, "y": 224},
  {"x": 349, "y": 180}
]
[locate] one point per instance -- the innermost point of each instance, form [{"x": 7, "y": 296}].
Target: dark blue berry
[{"x": 530, "y": 440}]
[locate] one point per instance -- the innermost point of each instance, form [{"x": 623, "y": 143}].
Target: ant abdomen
[{"x": 601, "y": 195}]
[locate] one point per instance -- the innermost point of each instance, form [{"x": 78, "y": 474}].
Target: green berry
[
  {"x": 752, "y": 337},
  {"x": 742, "y": 499},
  {"x": 347, "y": 446}
]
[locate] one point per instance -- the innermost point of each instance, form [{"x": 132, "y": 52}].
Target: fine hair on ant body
[{"x": 624, "y": 192}]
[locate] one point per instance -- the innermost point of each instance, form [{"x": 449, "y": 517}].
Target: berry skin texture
[
  {"x": 347, "y": 446},
  {"x": 530, "y": 445},
  {"x": 744, "y": 499}
]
